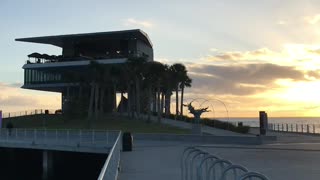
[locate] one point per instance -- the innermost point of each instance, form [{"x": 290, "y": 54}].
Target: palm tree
[
  {"x": 94, "y": 75},
  {"x": 179, "y": 72},
  {"x": 153, "y": 77},
  {"x": 135, "y": 67},
  {"x": 186, "y": 82},
  {"x": 168, "y": 86}
]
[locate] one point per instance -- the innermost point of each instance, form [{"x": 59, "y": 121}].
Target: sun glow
[{"x": 300, "y": 91}]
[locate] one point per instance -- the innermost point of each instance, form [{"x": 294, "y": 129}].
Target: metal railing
[
  {"x": 110, "y": 168},
  {"x": 197, "y": 164},
  {"x": 67, "y": 137},
  {"x": 43, "y": 58},
  {"x": 296, "y": 128},
  {"x": 27, "y": 113}
]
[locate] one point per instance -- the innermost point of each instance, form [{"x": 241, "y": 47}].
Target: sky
[{"x": 243, "y": 56}]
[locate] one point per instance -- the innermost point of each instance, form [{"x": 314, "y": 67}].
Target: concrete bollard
[
  {"x": 263, "y": 121},
  {"x": 308, "y": 129},
  {"x": 302, "y": 128}
]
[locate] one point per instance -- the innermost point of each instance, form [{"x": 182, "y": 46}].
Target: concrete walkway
[
  {"x": 277, "y": 162},
  {"x": 156, "y": 160}
]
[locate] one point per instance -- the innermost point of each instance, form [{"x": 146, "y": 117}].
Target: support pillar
[
  {"x": 47, "y": 164},
  {"x": 196, "y": 126}
]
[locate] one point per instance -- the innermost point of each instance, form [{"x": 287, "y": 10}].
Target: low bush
[{"x": 214, "y": 123}]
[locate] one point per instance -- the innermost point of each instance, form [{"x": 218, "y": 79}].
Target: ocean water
[{"x": 292, "y": 123}]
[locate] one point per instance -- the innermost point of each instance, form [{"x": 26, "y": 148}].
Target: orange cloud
[
  {"x": 139, "y": 23},
  {"x": 14, "y": 99}
]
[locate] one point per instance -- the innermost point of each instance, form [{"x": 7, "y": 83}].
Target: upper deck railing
[{"x": 44, "y": 58}]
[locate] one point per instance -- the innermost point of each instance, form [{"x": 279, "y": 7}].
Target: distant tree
[{"x": 179, "y": 73}]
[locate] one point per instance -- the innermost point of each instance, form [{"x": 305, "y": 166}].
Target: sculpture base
[{"x": 196, "y": 129}]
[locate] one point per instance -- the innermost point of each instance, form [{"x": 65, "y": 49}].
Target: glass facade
[{"x": 32, "y": 76}]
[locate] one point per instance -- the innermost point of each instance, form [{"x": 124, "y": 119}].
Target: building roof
[{"x": 60, "y": 40}]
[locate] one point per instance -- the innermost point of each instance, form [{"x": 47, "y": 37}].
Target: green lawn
[{"x": 106, "y": 123}]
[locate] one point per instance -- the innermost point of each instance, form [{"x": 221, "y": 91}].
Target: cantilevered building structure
[{"x": 61, "y": 73}]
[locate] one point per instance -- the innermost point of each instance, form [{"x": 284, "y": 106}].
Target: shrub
[{"x": 213, "y": 123}]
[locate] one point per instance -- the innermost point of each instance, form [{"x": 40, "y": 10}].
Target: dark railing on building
[{"x": 55, "y": 59}]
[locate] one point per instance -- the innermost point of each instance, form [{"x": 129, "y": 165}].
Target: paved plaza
[{"x": 292, "y": 157}]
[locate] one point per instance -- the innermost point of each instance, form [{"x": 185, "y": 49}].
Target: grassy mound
[{"x": 109, "y": 122}]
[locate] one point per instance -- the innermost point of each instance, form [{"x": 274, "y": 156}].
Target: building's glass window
[
  {"x": 41, "y": 76},
  {"x": 32, "y": 76}
]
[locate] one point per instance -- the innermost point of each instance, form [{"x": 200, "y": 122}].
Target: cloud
[
  {"x": 282, "y": 22},
  {"x": 138, "y": 23},
  {"x": 259, "y": 54},
  {"x": 242, "y": 80},
  {"x": 313, "y": 19},
  {"x": 305, "y": 57},
  {"x": 213, "y": 49},
  {"x": 314, "y": 51},
  {"x": 13, "y": 98}
]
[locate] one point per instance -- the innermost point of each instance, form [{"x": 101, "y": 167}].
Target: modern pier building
[{"x": 66, "y": 73}]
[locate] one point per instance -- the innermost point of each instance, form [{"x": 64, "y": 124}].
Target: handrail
[
  {"x": 221, "y": 162},
  {"x": 182, "y": 162},
  {"x": 115, "y": 151},
  {"x": 189, "y": 158},
  {"x": 199, "y": 169},
  {"x": 65, "y": 137},
  {"x": 253, "y": 174},
  {"x": 234, "y": 168},
  {"x": 295, "y": 128},
  {"x": 28, "y": 113},
  {"x": 194, "y": 157}
]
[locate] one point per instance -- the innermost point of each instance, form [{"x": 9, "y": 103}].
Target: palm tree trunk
[
  {"x": 114, "y": 98},
  {"x": 138, "y": 97},
  {"x": 129, "y": 99},
  {"x": 167, "y": 103},
  {"x": 177, "y": 100},
  {"x": 102, "y": 93},
  {"x": 80, "y": 92},
  {"x": 181, "y": 104},
  {"x": 96, "y": 103},
  {"x": 121, "y": 103},
  {"x": 90, "y": 110},
  {"x": 149, "y": 104},
  {"x": 158, "y": 102},
  {"x": 162, "y": 102},
  {"x": 154, "y": 97}
]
